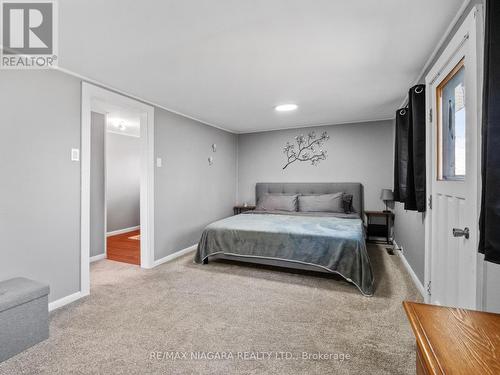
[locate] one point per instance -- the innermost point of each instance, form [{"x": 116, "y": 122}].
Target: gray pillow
[
  {"x": 321, "y": 203},
  {"x": 277, "y": 202}
]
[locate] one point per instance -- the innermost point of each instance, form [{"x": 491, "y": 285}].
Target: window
[{"x": 451, "y": 125}]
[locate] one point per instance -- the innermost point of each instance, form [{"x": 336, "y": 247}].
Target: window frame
[{"x": 439, "y": 133}]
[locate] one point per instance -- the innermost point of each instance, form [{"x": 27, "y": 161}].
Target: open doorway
[
  {"x": 115, "y": 177},
  {"x": 117, "y": 180}
]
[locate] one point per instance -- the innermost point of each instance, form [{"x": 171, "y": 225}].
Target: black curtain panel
[
  {"x": 416, "y": 109},
  {"x": 489, "y": 224},
  {"x": 401, "y": 155},
  {"x": 397, "y": 190},
  {"x": 409, "y": 153},
  {"x": 411, "y": 200}
]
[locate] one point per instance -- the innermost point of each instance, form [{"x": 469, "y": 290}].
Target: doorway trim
[
  {"x": 471, "y": 33},
  {"x": 90, "y": 95}
]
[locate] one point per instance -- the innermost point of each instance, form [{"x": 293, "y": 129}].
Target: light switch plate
[
  {"x": 75, "y": 154},
  {"x": 159, "y": 162}
]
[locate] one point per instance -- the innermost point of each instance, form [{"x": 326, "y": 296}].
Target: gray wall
[
  {"x": 123, "y": 181},
  {"x": 189, "y": 193},
  {"x": 409, "y": 234},
  {"x": 40, "y": 185},
  {"x": 97, "y": 160},
  {"x": 359, "y": 152}
]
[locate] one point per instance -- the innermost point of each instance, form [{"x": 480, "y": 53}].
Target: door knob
[{"x": 461, "y": 232}]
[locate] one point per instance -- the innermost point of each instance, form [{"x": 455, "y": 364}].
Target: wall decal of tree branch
[{"x": 308, "y": 149}]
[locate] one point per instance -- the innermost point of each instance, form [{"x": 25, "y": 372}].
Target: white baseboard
[
  {"x": 95, "y": 258},
  {"x": 121, "y": 231},
  {"x": 65, "y": 300},
  {"x": 412, "y": 273},
  {"x": 175, "y": 255}
]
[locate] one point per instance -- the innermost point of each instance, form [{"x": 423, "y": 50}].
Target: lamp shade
[{"x": 386, "y": 195}]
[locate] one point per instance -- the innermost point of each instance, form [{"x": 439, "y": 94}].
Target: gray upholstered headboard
[{"x": 354, "y": 188}]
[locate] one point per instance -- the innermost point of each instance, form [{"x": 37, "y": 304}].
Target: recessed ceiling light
[{"x": 286, "y": 107}]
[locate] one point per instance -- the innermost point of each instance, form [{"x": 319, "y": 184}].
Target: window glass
[{"x": 452, "y": 126}]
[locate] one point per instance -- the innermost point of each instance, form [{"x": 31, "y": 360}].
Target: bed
[{"x": 331, "y": 242}]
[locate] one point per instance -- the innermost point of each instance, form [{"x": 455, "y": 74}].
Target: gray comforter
[{"x": 335, "y": 244}]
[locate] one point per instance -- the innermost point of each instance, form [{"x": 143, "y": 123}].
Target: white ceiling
[{"x": 228, "y": 63}]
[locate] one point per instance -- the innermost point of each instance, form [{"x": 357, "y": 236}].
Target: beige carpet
[{"x": 237, "y": 311}]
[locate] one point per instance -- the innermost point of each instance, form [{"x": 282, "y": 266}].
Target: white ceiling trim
[
  {"x": 145, "y": 101},
  {"x": 317, "y": 125},
  {"x": 131, "y": 96}
]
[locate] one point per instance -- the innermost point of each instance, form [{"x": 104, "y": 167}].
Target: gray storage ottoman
[{"x": 24, "y": 315}]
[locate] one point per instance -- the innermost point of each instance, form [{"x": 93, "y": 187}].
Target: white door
[{"x": 453, "y": 172}]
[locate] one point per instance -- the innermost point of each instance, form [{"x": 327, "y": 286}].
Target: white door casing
[
  {"x": 91, "y": 95},
  {"x": 451, "y": 273}
]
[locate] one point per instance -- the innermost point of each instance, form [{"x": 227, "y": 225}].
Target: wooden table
[{"x": 455, "y": 341}]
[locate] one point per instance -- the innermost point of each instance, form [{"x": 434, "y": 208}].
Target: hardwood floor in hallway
[{"x": 124, "y": 248}]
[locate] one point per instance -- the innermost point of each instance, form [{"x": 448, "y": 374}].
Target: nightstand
[
  {"x": 379, "y": 229},
  {"x": 239, "y": 209}
]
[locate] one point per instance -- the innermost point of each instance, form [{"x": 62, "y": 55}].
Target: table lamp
[{"x": 387, "y": 196}]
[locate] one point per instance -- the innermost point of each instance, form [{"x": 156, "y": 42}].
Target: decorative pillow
[
  {"x": 347, "y": 203},
  {"x": 277, "y": 202},
  {"x": 321, "y": 203}
]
